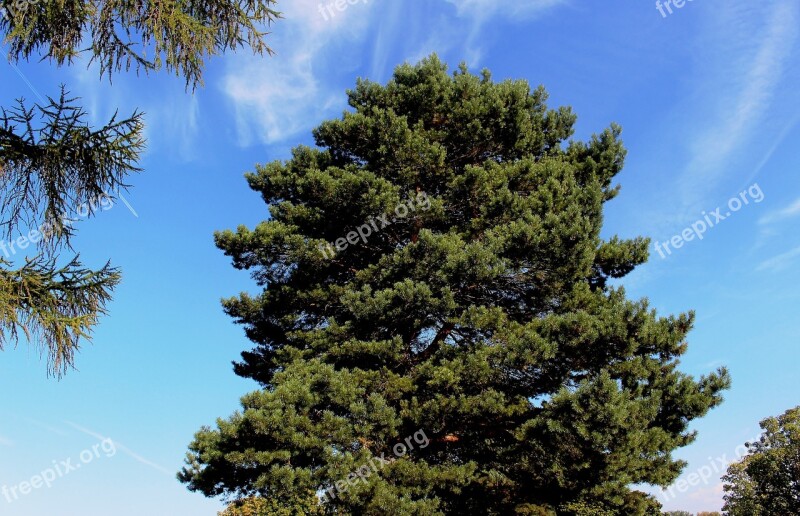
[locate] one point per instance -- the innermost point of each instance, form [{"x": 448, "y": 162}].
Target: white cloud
[
  {"x": 172, "y": 123},
  {"x": 317, "y": 45},
  {"x": 780, "y": 261},
  {"x": 790, "y": 211},
  {"x": 390, "y": 28},
  {"x": 275, "y": 100},
  {"x": 277, "y": 97},
  {"x": 775, "y": 146},
  {"x": 5, "y": 441},
  {"x": 171, "y": 112}
]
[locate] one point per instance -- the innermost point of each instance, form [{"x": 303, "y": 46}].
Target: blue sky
[{"x": 708, "y": 100}]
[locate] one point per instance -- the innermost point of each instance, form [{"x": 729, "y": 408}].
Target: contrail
[{"x": 127, "y": 451}]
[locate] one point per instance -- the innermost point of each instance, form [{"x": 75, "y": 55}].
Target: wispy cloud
[
  {"x": 770, "y": 224},
  {"x": 277, "y": 97},
  {"x": 5, "y": 441},
  {"x": 751, "y": 75},
  {"x": 775, "y": 146},
  {"x": 790, "y": 211},
  {"x": 319, "y": 46},
  {"x": 479, "y": 11},
  {"x": 171, "y": 112},
  {"x": 780, "y": 261},
  {"x": 483, "y": 9},
  {"x": 175, "y": 124},
  {"x": 274, "y": 103}
]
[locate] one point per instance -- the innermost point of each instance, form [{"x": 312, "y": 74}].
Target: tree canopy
[
  {"x": 766, "y": 481},
  {"x": 484, "y": 312}
]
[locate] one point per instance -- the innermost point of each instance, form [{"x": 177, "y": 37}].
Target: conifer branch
[
  {"x": 53, "y": 307},
  {"x": 51, "y": 162}
]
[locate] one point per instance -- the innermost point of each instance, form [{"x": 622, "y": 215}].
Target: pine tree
[
  {"x": 435, "y": 265},
  {"x": 52, "y": 162}
]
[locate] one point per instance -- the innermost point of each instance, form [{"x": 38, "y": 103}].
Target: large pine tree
[{"x": 480, "y": 315}]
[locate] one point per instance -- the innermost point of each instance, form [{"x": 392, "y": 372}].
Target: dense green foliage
[
  {"x": 121, "y": 34},
  {"x": 53, "y": 163},
  {"x": 766, "y": 482},
  {"x": 484, "y": 316}
]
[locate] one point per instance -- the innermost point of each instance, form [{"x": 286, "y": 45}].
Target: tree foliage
[
  {"x": 485, "y": 317},
  {"x": 55, "y": 307},
  {"x": 52, "y": 162},
  {"x": 142, "y": 35},
  {"x": 254, "y": 506},
  {"x": 766, "y": 482}
]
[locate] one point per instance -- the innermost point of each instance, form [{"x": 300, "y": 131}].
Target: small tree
[{"x": 766, "y": 481}]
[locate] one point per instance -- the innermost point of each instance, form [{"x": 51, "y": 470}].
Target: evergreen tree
[
  {"x": 766, "y": 482},
  {"x": 436, "y": 265},
  {"x": 52, "y": 162}
]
